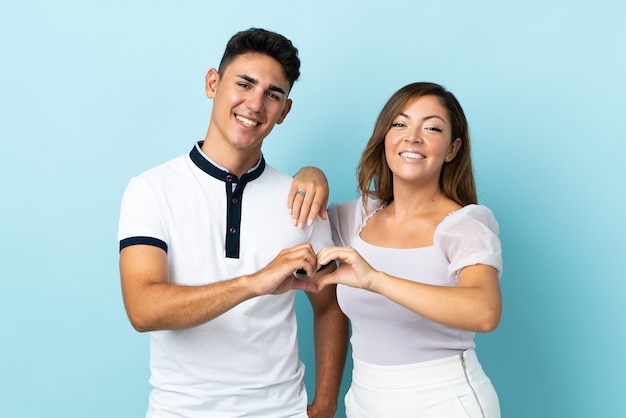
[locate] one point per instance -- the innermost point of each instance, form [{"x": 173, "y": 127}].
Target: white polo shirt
[{"x": 245, "y": 362}]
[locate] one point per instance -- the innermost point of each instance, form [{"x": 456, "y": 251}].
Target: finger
[
  {"x": 326, "y": 280},
  {"x": 306, "y": 285},
  {"x": 315, "y": 210},
  {"x": 306, "y": 266},
  {"x": 297, "y": 208},
  {"x": 305, "y": 209},
  {"x": 295, "y": 257},
  {"x": 320, "y": 201},
  {"x": 291, "y": 197},
  {"x": 294, "y": 200},
  {"x": 322, "y": 265},
  {"x": 322, "y": 212},
  {"x": 305, "y": 259},
  {"x": 326, "y": 254}
]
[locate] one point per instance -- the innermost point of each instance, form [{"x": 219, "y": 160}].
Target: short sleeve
[
  {"x": 341, "y": 217},
  {"x": 347, "y": 219},
  {"x": 468, "y": 237},
  {"x": 140, "y": 212}
]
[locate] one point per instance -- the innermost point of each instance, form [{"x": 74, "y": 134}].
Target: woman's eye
[
  {"x": 397, "y": 125},
  {"x": 434, "y": 129}
]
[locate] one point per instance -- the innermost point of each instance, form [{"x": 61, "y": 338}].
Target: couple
[{"x": 208, "y": 255}]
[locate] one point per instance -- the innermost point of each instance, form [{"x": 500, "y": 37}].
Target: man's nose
[{"x": 254, "y": 101}]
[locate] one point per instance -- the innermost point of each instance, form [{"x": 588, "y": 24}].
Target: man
[{"x": 208, "y": 254}]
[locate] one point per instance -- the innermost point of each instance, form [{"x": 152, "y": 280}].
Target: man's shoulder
[
  {"x": 177, "y": 165},
  {"x": 271, "y": 173}
]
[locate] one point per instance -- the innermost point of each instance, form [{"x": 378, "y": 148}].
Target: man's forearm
[{"x": 166, "y": 306}]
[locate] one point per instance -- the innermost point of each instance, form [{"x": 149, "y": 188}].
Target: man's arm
[
  {"x": 153, "y": 303},
  {"x": 331, "y": 342}
]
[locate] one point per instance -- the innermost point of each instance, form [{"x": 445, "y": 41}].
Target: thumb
[
  {"x": 306, "y": 285},
  {"x": 325, "y": 280}
]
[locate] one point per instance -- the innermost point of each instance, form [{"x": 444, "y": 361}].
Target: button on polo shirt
[{"x": 234, "y": 194}]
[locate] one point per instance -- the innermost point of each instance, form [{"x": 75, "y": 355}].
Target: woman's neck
[{"x": 415, "y": 201}]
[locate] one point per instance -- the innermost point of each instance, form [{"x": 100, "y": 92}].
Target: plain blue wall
[{"x": 95, "y": 92}]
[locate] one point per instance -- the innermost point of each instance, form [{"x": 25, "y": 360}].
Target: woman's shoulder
[
  {"x": 356, "y": 208},
  {"x": 469, "y": 236},
  {"x": 468, "y": 216},
  {"x": 347, "y": 219}
]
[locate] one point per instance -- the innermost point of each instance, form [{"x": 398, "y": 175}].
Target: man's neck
[{"x": 237, "y": 162}]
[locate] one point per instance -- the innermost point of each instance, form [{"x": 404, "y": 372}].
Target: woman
[{"x": 419, "y": 265}]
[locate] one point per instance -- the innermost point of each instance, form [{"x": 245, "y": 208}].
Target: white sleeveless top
[{"x": 386, "y": 333}]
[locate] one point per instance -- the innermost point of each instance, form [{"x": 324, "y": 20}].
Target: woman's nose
[{"x": 414, "y": 137}]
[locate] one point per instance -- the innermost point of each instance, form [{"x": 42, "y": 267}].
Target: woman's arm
[
  {"x": 308, "y": 196},
  {"x": 474, "y": 305}
]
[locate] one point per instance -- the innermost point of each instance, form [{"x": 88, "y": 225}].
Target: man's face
[{"x": 248, "y": 100}]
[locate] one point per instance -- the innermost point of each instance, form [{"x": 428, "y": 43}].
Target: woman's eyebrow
[
  {"x": 424, "y": 118},
  {"x": 433, "y": 117}
]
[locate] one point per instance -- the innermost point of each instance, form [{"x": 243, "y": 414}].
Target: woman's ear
[{"x": 454, "y": 148}]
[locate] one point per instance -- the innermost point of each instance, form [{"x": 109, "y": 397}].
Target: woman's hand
[
  {"x": 308, "y": 196},
  {"x": 352, "y": 269}
]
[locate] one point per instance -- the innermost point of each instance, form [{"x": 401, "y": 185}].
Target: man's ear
[
  {"x": 286, "y": 110},
  {"x": 211, "y": 80}
]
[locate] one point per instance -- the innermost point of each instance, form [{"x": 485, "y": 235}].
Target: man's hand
[
  {"x": 308, "y": 196},
  {"x": 278, "y": 276}
]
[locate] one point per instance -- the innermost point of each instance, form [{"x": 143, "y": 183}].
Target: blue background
[{"x": 95, "y": 92}]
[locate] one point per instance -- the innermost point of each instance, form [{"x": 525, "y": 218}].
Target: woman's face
[{"x": 419, "y": 141}]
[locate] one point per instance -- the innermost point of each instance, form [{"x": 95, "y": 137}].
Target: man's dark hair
[{"x": 263, "y": 42}]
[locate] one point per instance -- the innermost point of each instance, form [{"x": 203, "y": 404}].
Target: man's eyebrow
[
  {"x": 255, "y": 82},
  {"x": 277, "y": 89},
  {"x": 249, "y": 79}
]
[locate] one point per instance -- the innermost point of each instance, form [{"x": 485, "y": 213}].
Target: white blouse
[{"x": 386, "y": 333}]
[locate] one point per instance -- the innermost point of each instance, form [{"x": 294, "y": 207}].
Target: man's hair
[
  {"x": 456, "y": 180},
  {"x": 264, "y": 42}
]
